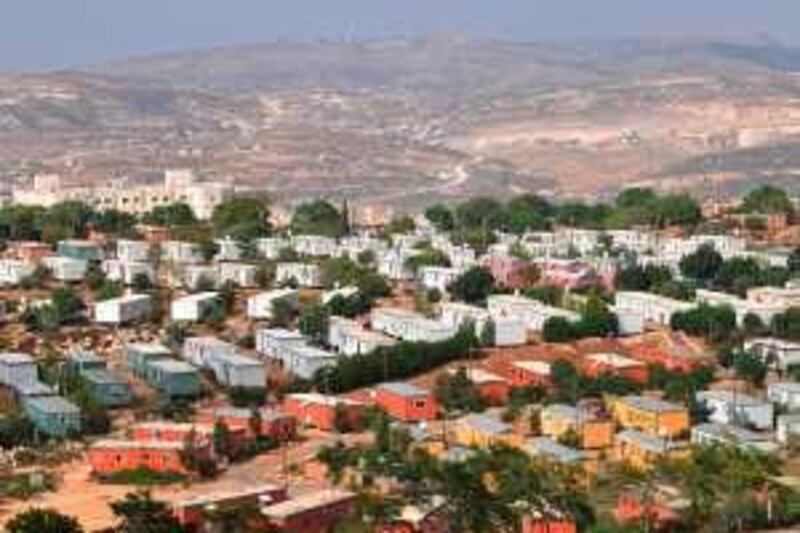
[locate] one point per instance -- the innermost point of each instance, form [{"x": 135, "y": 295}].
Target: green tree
[
  {"x": 750, "y": 368},
  {"x": 473, "y": 286},
  {"x": 281, "y": 313},
  {"x": 140, "y": 513},
  {"x": 108, "y": 290},
  {"x": 313, "y": 323},
  {"x": 767, "y": 199},
  {"x": 679, "y": 210},
  {"x": 317, "y": 218},
  {"x": 169, "y": 216},
  {"x": 43, "y": 521},
  {"x": 597, "y": 320},
  {"x": 399, "y": 225},
  {"x": 141, "y": 282},
  {"x": 702, "y": 265},
  {"x": 114, "y": 222},
  {"x": 65, "y": 220},
  {"x": 786, "y": 325},
  {"x": 793, "y": 262},
  {"x": 441, "y": 217},
  {"x": 67, "y": 303},
  {"x": 241, "y": 218},
  {"x": 558, "y": 329}
]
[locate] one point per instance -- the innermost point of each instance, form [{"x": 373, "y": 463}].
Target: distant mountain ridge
[{"x": 446, "y": 116}]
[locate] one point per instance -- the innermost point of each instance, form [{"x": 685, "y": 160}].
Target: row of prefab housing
[{"x": 132, "y": 258}]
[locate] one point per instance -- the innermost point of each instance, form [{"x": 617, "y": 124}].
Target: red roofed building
[
  {"x": 493, "y": 389},
  {"x": 615, "y": 364},
  {"x": 110, "y": 456},
  {"x": 320, "y": 411},
  {"x": 191, "y": 512},
  {"x": 311, "y": 513},
  {"x": 406, "y": 402},
  {"x": 507, "y": 271},
  {"x": 530, "y": 373},
  {"x": 276, "y": 425}
]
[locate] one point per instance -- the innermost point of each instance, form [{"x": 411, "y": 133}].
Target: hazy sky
[{"x": 36, "y": 34}]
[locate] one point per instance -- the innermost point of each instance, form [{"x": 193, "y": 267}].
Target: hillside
[{"x": 406, "y": 122}]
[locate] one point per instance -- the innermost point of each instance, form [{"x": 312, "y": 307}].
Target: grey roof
[
  {"x": 556, "y": 450},
  {"x": 402, "y": 388},
  {"x": 149, "y": 348},
  {"x": 786, "y": 386},
  {"x": 15, "y": 358},
  {"x": 53, "y": 404},
  {"x": 646, "y": 441},
  {"x": 728, "y": 396},
  {"x": 561, "y": 410},
  {"x": 652, "y": 404},
  {"x": 486, "y": 423},
  {"x": 102, "y": 376},
  {"x": 36, "y": 388},
  {"x": 84, "y": 356},
  {"x": 729, "y": 433},
  {"x": 174, "y": 367}
]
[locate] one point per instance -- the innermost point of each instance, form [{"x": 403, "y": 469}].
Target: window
[{"x": 419, "y": 404}]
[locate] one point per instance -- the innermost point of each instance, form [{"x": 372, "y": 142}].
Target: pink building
[
  {"x": 565, "y": 273},
  {"x": 507, "y": 271}
]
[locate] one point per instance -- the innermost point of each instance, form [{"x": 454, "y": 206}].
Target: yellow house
[
  {"x": 592, "y": 432},
  {"x": 650, "y": 415},
  {"x": 642, "y": 450},
  {"x": 484, "y": 431}
]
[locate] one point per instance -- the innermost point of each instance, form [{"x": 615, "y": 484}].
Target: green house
[
  {"x": 53, "y": 415},
  {"x": 107, "y": 388},
  {"x": 80, "y": 249},
  {"x": 174, "y": 379},
  {"x": 139, "y": 357},
  {"x": 80, "y": 361}
]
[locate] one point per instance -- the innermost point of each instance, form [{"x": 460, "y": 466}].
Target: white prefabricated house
[
  {"x": 409, "y": 326},
  {"x": 236, "y": 370},
  {"x": 239, "y": 274},
  {"x": 303, "y": 360},
  {"x": 352, "y": 247},
  {"x": 193, "y": 307},
  {"x": 129, "y": 251},
  {"x": 13, "y": 271},
  {"x": 124, "y": 310},
  {"x": 730, "y": 407},
  {"x": 631, "y": 321},
  {"x": 180, "y": 252},
  {"x": 270, "y": 340},
  {"x": 201, "y": 350},
  {"x": 18, "y": 370},
  {"x": 779, "y": 353},
  {"x": 533, "y": 314},
  {"x": 314, "y": 245},
  {"x": 271, "y": 247},
  {"x": 786, "y": 394},
  {"x": 764, "y": 310},
  {"x": 650, "y": 307},
  {"x": 304, "y": 274},
  {"x": 344, "y": 292},
  {"x": 787, "y": 427},
  {"x": 348, "y": 337},
  {"x": 508, "y": 331},
  {"x": 728, "y": 435},
  {"x": 393, "y": 264},
  {"x": 259, "y": 306},
  {"x": 194, "y": 274},
  {"x": 229, "y": 250},
  {"x": 437, "y": 277},
  {"x": 66, "y": 268},
  {"x": 126, "y": 272}
]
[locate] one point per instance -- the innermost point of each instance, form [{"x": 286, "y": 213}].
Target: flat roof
[
  {"x": 149, "y": 348},
  {"x": 15, "y": 358},
  {"x": 552, "y": 448},
  {"x": 645, "y": 440},
  {"x": 478, "y": 375},
  {"x": 322, "y": 399},
  {"x": 174, "y": 366},
  {"x": 614, "y": 359},
  {"x": 656, "y": 405},
  {"x": 137, "y": 444},
  {"x": 402, "y": 388},
  {"x": 486, "y": 424},
  {"x": 221, "y": 496},
  {"x": 306, "y": 502},
  {"x": 101, "y": 375},
  {"x": 53, "y": 404},
  {"x": 537, "y": 367},
  {"x": 729, "y": 396}
]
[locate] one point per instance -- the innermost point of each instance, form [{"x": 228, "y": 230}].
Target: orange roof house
[{"x": 651, "y": 415}]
